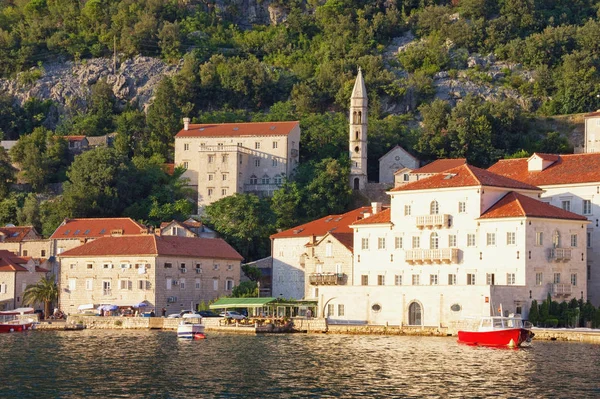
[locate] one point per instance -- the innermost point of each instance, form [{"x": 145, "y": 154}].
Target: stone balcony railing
[
  {"x": 429, "y": 256},
  {"x": 561, "y": 289},
  {"x": 559, "y": 254},
  {"x": 326, "y": 278},
  {"x": 432, "y": 221}
]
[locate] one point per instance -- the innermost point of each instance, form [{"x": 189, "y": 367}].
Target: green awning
[{"x": 224, "y": 303}]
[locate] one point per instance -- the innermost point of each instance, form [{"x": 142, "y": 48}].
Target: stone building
[
  {"x": 224, "y": 159},
  {"x": 16, "y": 273},
  {"x": 24, "y": 241},
  {"x": 396, "y": 159},
  {"x": 406, "y": 175},
  {"x": 164, "y": 271},
  {"x": 358, "y": 134},
  {"x": 456, "y": 245},
  {"x": 188, "y": 228},
  {"x": 592, "y": 132}
]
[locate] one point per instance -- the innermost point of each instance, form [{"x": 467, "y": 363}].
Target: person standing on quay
[{"x": 164, "y": 312}]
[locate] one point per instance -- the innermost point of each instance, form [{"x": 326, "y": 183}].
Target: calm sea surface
[{"x": 154, "y": 364}]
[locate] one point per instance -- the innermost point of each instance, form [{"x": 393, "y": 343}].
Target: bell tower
[{"x": 358, "y": 134}]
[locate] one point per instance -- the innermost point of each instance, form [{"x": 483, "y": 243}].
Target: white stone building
[
  {"x": 570, "y": 182},
  {"x": 224, "y": 159},
  {"x": 408, "y": 175},
  {"x": 592, "y": 132},
  {"x": 397, "y": 158},
  {"x": 456, "y": 245}
]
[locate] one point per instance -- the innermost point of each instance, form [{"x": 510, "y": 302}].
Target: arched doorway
[
  {"x": 414, "y": 314},
  {"x": 356, "y": 183}
]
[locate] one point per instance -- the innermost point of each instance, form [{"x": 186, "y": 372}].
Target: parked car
[
  {"x": 208, "y": 313},
  {"x": 178, "y": 315},
  {"x": 232, "y": 315}
]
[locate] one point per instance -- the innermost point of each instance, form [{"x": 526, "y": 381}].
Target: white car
[
  {"x": 178, "y": 315},
  {"x": 232, "y": 315}
]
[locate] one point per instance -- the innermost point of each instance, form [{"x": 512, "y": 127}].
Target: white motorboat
[{"x": 191, "y": 327}]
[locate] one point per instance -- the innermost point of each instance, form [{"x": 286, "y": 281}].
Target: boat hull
[
  {"x": 510, "y": 337},
  {"x": 190, "y": 331},
  {"x": 15, "y": 327}
]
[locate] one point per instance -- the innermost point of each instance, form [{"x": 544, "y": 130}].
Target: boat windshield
[{"x": 498, "y": 323}]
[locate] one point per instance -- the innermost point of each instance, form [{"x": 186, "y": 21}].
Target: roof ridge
[
  {"x": 518, "y": 199},
  {"x": 468, "y": 167}
]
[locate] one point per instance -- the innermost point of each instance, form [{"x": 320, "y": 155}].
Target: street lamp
[{"x": 258, "y": 285}]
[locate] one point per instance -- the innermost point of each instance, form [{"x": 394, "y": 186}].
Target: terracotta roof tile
[
  {"x": 378, "y": 218},
  {"x": 465, "y": 176},
  {"x": 74, "y": 138},
  {"x": 17, "y": 233},
  {"x": 441, "y": 165},
  {"x": 568, "y": 169},
  {"x": 346, "y": 239},
  {"x": 9, "y": 262},
  {"x": 331, "y": 223},
  {"x": 150, "y": 244},
  {"x": 96, "y": 227},
  {"x": 515, "y": 205},
  {"x": 238, "y": 129}
]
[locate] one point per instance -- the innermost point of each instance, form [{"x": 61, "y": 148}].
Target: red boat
[
  {"x": 498, "y": 331},
  {"x": 16, "y": 325}
]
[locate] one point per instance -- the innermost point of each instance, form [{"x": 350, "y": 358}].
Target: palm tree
[{"x": 44, "y": 290}]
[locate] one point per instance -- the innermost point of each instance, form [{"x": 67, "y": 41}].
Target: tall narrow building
[{"x": 358, "y": 134}]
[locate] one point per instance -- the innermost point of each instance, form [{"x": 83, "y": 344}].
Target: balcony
[
  {"x": 559, "y": 254},
  {"x": 561, "y": 289},
  {"x": 326, "y": 278},
  {"x": 431, "y": 221},
  {"x": 431, "y": 256}
]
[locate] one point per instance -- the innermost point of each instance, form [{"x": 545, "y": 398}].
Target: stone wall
[{"x": 387, "y": 330}]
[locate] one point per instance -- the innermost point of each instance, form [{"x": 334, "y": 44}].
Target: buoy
[
  {"x": 511, "y": 344},
  {"x": 199, "y": 336}
]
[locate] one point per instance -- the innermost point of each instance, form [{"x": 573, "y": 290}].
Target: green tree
[
  {"x": 44, "y": 291},
  {"x": 286, "y": 205},
  {"x": 252, "y": 272},
  {"x": 29, "y": 214},
  {"x": 534, "y": 313},
  {"x": 328, "y": 191},
  {"x": 164, "y": 120},
  {"x": 247, "y": 289},
  {"x": 7, "y": 173}
]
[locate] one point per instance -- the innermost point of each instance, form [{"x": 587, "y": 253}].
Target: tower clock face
[{"x": 397, "y": 158}]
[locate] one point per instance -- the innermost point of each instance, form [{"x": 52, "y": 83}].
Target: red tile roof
[
  {"x": 96, "y": 227},
  {"x": 74, "y": 138},
  {"x": 239, "y": 129},
  {"x": 568, "y": 169},
  {"x": 547, "y": 157},
  {"x": 465, "y": 176},
  {"x": 169, "y": 168},
  {"x": 346, "y": 239},
  {"x": 441, "y": 165},
  {"x": 378, "y": 218},
  {"x": 9, "y": 262},
  {"x": 17, "y": 233},
  {"x": 515, "y": 205},
  {"x": 150, "y": 244},
  {"x": 592, "y": 114},
  {"x": 331, "y": 223}
]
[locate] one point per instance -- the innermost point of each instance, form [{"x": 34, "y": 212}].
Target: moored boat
[
  {"x": 16, "y": 325},
  {"x": 190, "y": 328},
  {"x": 498, "y": 331}
]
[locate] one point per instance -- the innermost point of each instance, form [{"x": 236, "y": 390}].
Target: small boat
[
  {"x": 498, "y": 331},
  {"x": 17, "y": 325},
  {"x": 190, "y": 328}
]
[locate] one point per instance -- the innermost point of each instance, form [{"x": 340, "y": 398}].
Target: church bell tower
[{"x": 358, "y": 134}]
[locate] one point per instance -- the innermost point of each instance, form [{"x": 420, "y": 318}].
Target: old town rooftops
[
  {"x": 18, "y": 233},
  {"x": 96, "y": 227},
  {"x": 378, "y": 218},
  {"x": 150, "y": 244},
  {"x": 561, "y": 169},
  {"x": 440, "y": 165},
  {"x": 238, "y": 129},
  {"x": 465, "y": 176},
  {"x": 9, "y": 262},
  {"x": 519, "y": 205}
]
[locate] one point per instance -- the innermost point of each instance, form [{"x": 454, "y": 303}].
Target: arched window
[
  {"x": 253, "y": 179},
  {"x": 556, "y": 239},
  {"x": 359, "y": 117},
  {"x": 434, "y": 208},
  {"x": 434, "y": 241},
  {"x": 356, "y": 183},
  {"x": 265, "y": 179},
  {"x": 356, "y": 135},
  {"x": 277, "y": 179},
  {"x": 356, "y": 149},
  {"x": 414, "y": 314},
  {"x": 354, "y": 118}
]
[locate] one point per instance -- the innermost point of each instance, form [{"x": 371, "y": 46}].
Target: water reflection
[{"x": 149, "y": 364}]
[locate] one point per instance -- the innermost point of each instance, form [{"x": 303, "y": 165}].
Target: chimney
[
  {"x": 376, "y": 207},
  {"x": 186, "y": 123}
]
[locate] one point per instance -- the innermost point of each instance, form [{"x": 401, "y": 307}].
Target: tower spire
[{"x": 358, "y": 133}]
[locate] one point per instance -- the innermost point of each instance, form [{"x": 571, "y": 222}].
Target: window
[
  {"x": 434, "y": 208},
  {"x": 574, "y": 240},
  {"x": 588, "y": 238},
  {"x": 224, "y": 191},
  {"x": 43, "y": 253},
  {"x": 406, "y": 177},
  {"x": 125, "y": 284},
  {"x": 265, "y": 179},
  {"x": 510, "y": 279},
  {"x": 398, "y": 242},
  {"x": 274, "y": 161},
  {"x": 211, "y": 159},
  {"x": 197, "y": 284},
  {"x": 406, "y": 210},
  {"x": 415, "y": 279},
  {"x": 3, "y": 288},
  {"x": 470, "y": 278},
  {"x": 416, "y": 242},
  {"x": 490, "y": 278},
  {"x": 277, "y": 179},
  {"x": 72, "y": 284},
  {"x": 539, "y": 238},
  {"x": 434, "y": 241},
  {"x": 491, "y": 239},
  {"x": 398, "y": 279},
  {"x": 566, "y": 205},
  {"x": 168, "y": 265},
  {"x": 329, "y": 250},
  {"x": 380, "y": 279},
  {"x": 556, "y": 279},
  {"x": 470, "y": 240},
  {"x": 186, "y": 147},
  {"x": 365, "y": 244},
  {"x": 106, "y": 266},
  {"x": 215, "y": 284},
  {"x": 340, "y": 310},
  {"x": 211, "y": 177},
  {"x": 141, "y": 284},
  {"x": 462, "y": 207},
  {"x": 224, "y": 177},
  {"x": 90, "y": 266},
  {"x": 229, "y": 267},
  {"x": 433, "y": 279},
  {"x": 539, "y": 278},
  {"x": 330, "y": 309},
  {"x": 89, "y": 284},
  {"x": 573, "y": 278},
  {"x": 25, "y": 252},
  {"x": 186, "y": 164},
  {"x": 511, "y": 238},
  {"x": 224, "y": 158},
  {"x": 452, "y": 279},
  {"x": 364, "y": 279},
  {"x": 253, "y": 179},
  {"x": 106, "y": 287},
  {"x": 452, "y": 240},
  {"x": 210, "y": 192},
  {"x": 587, "y": 207},
  {"x": 257, "y": 162},
  {"x": 216, "y": 266},
  {"x": 381, "y": 243},
  {"x": 257, "y": 145},
  {"x": 274, "y": 144}
]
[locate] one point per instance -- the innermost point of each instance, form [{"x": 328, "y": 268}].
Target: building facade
[
  {"x": 592, "y": 132},
  {"x": 456, "y": 245},
  {"x": 396, "y": 159},
  {"x": 229, "y": 158},
  {"x": 164, "y": 271},
  {"x": 16, "y": 273}
]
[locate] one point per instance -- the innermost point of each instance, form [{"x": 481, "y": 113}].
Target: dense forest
[{"x": 302, "y": 68}]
